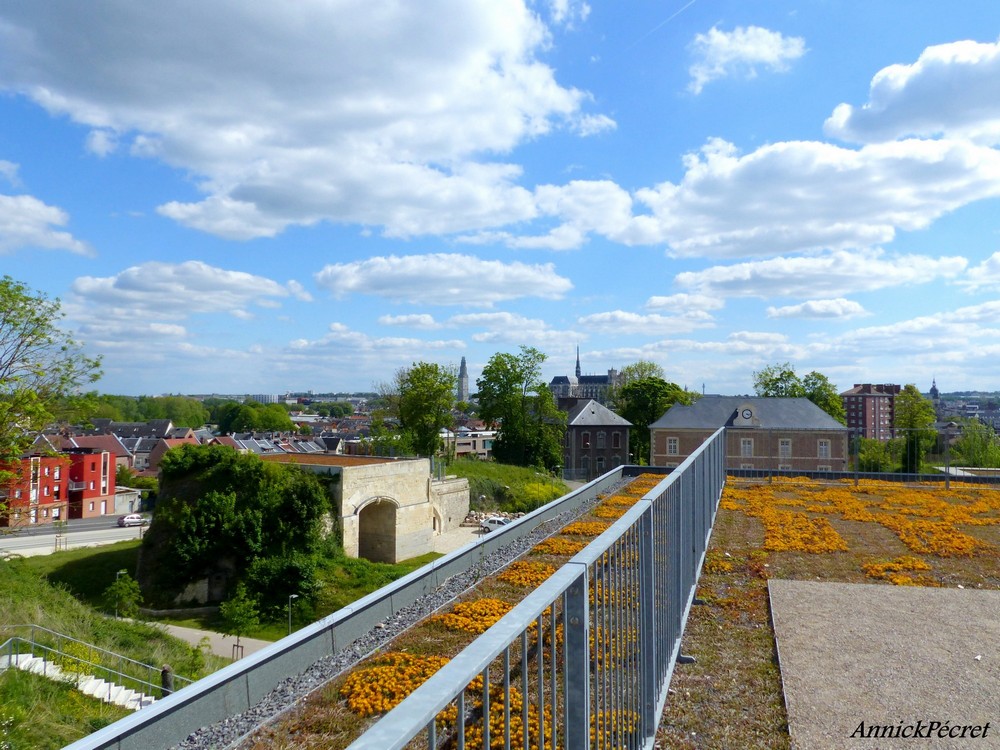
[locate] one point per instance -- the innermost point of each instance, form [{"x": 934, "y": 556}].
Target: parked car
[
  {"x": 132, "y": 519},
  {"x": 493, "y": 522}
]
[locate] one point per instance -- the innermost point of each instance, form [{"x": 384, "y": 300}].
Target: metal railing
[
  {"x": 78, "y": 657},
  {"x": 585, "y": 660}
]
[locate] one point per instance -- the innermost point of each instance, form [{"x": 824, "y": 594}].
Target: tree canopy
[
  {"x": 219, "y": 510},
  {"x": 425, "y": 400},
  {"x": 183, "y": 411},
  {"x": 513, "y": 396},
  {"x": 914, "y": 418},
  {"x": 642, "y": 402},
  {"x": 42, "y": 369},
  {"x": 781, "y": 381}
]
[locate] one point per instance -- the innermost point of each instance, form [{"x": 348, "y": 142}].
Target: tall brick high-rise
[{"x": 871, "y": 409}]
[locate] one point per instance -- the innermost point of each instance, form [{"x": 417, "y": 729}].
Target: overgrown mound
[{"x": 223, "y": 517}]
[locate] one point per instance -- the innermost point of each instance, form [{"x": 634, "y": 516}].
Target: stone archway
[{"x": 377, "y": 530}]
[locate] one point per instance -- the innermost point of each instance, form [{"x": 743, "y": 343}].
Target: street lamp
[
  {"x": 118, "y": 575},
  {"x": 290, "y": 598}
]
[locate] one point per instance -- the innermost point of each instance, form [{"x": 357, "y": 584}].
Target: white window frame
[
  {"x": 746, "y": 447},
  {"x": 823, "y": 448},
  {"x": 673, "y": 446},
  {"x": 784, "y": 448}
]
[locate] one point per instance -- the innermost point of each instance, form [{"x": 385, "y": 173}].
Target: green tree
[
  {"x": 977, "y": 446},
  {"x": 239, "y": 614},
  {"x": 914, "y": 417},
  {"x": 42, "y": 370},
  {"x": 825, "y": 395},
  {"x": 425, "y": 400},
  {"x": 513, "y": 396},
  {"x": 123, "y": 596},
  {"x": 876, "y": 455},
  {"x": 644, "y": 401},
  {"x": 219, "y": 510},
  {"x": 630, "y": 373},
  {"x": 781, "y": 381}
]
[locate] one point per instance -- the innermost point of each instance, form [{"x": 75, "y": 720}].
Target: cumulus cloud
[
  {"x": 26, "y": 222},
  {"x": 421, "y": 321},
  {"x": 443, "y": 279},
  {"x": 623, "y": 322},
  {"x": 839, "y": 308},
  {"x": 506, "y": 328},
  {"x": 380, "y": 113},
  {"x": 832, "y": 274},
  {"x": 685, "y": 302},
  {"x": 155, "y": 289},
  {"x": 805, "y": 196},
  {"x": 8, "y": 170},
  {"x": 742, "y": 51},
  {"x": 952, "y": 90}
]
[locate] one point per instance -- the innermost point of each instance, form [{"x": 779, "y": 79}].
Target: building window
[
  {"x": 746, "y": 466},
  {"x": 784, "y": 467},
  {"x": 600, "y": 464},
  {"x": 673, "y": 446},
  {"x": 585, "y": 439},
  {"x": 45, "y": 491},
  {"x": 17, "y": 494},
  {"x": 616, "y": 440},
  {"x": 823, "y": 449},
  {"x": 824, "y": 468},
  {"x": 56, "y": 474},
  {"x": 91, "y": 506},
  {"x": 785, "y": 448},
  {"x": 600, "y": 439},
  {"x": 91, "y": 484},
  {"x": 746, "y": 447},
  {"x": 45, "y": 471}
]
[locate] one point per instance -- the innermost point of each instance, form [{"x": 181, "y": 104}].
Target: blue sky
[{"x": 233, "y": 197}]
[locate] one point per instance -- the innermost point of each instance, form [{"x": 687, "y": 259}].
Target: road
[{"x": 41, "y": 539}]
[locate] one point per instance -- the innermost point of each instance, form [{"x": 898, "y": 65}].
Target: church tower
[
  {"x": 578, "y": 372},
  {"x": 463, "y": 382}
]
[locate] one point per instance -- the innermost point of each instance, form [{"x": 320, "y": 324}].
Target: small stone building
[{"x": 389, "y": 509}]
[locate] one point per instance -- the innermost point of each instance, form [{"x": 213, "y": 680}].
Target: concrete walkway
[
  {"x": 219, "y": 644},
  {"x": 896, "y": 658}
]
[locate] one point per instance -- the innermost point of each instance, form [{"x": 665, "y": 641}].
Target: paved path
[
  {"x": 890, "y": 656},
  {"x": 220, "y": 645}
]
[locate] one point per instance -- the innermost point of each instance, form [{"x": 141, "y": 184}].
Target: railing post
[
  {"x": 647, "y": 625},
  {"x": 577, "y": 662}
]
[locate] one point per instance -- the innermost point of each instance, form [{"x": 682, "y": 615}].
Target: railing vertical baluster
[
  {"x": 506, "y": 698},
  {"x": 576, "y": 663}
]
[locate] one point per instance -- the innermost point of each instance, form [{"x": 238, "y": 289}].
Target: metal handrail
[
  {"x": 121, "y": 678},
  {"x": 593, "y": 688},
  {"x": 121, "y": 659}
]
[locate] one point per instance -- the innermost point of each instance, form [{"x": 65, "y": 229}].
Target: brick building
[{"x": 871, "y": 409}]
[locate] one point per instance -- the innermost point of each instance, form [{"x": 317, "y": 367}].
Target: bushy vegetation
[
  {"x": 222, "y": 512},
  {"x": 512, "y": 489}
]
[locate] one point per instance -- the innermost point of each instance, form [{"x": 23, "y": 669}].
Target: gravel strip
[{"x": 235, "y": 730}]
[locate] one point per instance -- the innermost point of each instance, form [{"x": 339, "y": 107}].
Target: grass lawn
[{"x": 731, "y": 697}]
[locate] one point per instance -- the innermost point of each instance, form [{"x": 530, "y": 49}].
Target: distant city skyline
[{"x": 242, "y": 196}]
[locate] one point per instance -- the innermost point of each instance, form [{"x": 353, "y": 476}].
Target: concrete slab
[{"x": 894, "y": 658}]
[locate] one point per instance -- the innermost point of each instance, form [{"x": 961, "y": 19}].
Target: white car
[
  {"x": 132, "y": 519},
  {"x": 493, "y": 522}
]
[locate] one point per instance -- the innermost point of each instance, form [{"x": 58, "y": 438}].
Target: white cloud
[
  {"x": 512, "y": 329},
  {"x": 685, "y": 302},
  {"x": 984, "y": 277},
  {"x": 177, "y": 290},
  {"x": 952, "y": 90},
  {"x": 26, "y": 222},
  {"x": 373, "y": 112},
  {"x": 804, "y": 196},
  {"x": 421, "y": 321},
  {"x": 443, "y": 279},
  {"x": 622, "y": 322},
  {"x": 840, "y": 308},
  {"x": 8, "y": 170},
  {"x": 832, "y": 274},
  {"x": 721, "y": 54}
]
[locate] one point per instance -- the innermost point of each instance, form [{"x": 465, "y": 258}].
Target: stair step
[{"x": 87, "y": 684}]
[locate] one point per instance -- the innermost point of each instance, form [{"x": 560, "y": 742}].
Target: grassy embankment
[
  {"x": 731, "y": 697},
  {"x": 37, "y": 713}
]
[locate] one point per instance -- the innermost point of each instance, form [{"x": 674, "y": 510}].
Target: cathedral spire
[{"x": 578, "y": 372}]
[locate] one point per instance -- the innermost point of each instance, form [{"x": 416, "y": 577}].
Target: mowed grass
[{"x": 731, "y": 696}]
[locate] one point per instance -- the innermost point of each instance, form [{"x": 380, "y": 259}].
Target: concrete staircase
[{"x": 103, "y": 690}]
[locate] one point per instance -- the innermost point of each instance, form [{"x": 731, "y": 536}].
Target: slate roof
[
  {"x": 589, "y": 413},
  {"x": 712, "y": 412}
]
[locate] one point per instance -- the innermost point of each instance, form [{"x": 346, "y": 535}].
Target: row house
[
  {"x": 784, "y": 434},
  {"x": 77, "y": 483}
]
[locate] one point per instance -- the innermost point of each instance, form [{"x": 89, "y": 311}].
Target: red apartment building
[
  {"x": 91, "y": 482},
  {"x": 871, "y": 410},
  {"x": 38, "y": 493}
]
